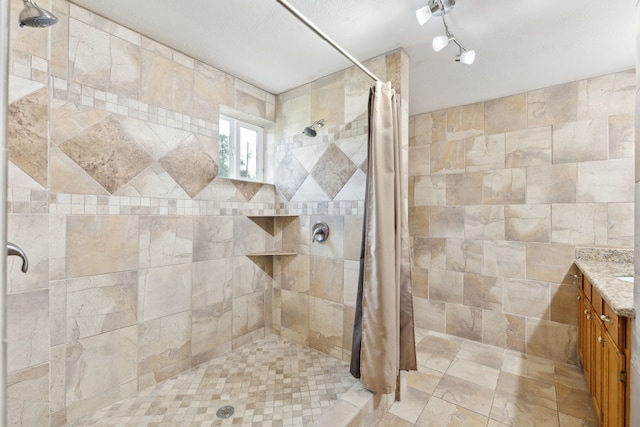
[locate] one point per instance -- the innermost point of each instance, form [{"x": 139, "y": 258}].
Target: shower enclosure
[{"x": 141, "y": 269}]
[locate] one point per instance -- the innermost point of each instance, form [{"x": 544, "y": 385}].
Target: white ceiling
[{"x": 521, "y": 45}]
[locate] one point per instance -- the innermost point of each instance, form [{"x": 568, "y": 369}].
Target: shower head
[
  {"x": 34, "y": 16},
  {"x": 310, "y": 131}
]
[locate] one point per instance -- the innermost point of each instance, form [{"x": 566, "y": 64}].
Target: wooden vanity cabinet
[
  {"x": 604, "y": 354},
  {"x": 614, "y": 384},
  {"x": 589, "y": 350}
]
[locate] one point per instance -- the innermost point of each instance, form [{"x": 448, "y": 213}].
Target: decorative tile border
[
  {"x": 344, "y": 208},
  {"x": 87, "y": 96},
  {"x": 25, "y": 200},
  {"x": 36, "y": 69}
]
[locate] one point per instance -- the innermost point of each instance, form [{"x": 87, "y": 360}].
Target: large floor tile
[
  {"x": 439, "y": 413},
  {"x": 466, "y": 394}
]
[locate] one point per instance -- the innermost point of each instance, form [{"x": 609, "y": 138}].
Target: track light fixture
[
  {"x": 466, "y": 57},
  {"x": 441, "y": 8},
  {"x": 432, "y": 8},
  {"x": 440, "y": 42}
]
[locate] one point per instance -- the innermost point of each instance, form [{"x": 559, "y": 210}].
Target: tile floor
[
  {"x": 270, "y": 382},
  {"x": 464, "y": 383},
  {"x": 273, "y": 382}
]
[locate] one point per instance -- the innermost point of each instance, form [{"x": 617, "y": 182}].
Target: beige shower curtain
[{"x": 383, "y": 336}]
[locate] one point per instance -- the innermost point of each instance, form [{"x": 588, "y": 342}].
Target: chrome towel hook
[{"x": 319, "y": 232}]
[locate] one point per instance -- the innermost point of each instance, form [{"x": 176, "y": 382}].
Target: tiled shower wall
[
  {"x": 323, "y": 179},
  {"x": 136, "y": 249},
  {"x": 502, "y": 193}
]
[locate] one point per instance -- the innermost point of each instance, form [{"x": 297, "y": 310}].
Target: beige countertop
[{"x": 603, "y": 273}]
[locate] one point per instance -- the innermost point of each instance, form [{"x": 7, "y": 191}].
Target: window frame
[{"x": 235, "y": 126}]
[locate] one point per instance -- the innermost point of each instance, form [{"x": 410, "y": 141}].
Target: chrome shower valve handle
[
  {"x": 320, "y": 232},
  {"x": 14, "y": 250}
]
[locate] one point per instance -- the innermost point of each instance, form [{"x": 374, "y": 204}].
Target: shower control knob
[
  {"x": 14, "y": 250},
  {"x": 320, "y": 232}
]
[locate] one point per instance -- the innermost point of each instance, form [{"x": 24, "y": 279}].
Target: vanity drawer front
[{"x": 614, "y": 325}]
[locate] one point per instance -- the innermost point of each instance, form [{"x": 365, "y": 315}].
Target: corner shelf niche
[{"x": 271, "y": 224}]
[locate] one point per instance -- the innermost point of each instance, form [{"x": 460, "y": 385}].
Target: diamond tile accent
[
  {"x": 27, "y": 135},
  {"x": 247, "y": 189},
  {"x": 365, "y": 166},
  {"x": 191, "y": 166},
  {"x": 269, "y": 382},
  {"x": 290, "y": 175},
  {"x": 333, "y": 171},
  {"x": 107, "y": 153}
]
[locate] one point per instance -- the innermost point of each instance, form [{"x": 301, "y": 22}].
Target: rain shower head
[
  {"x": 310, "y": 131},
  {"x": 34, "y": 16}
]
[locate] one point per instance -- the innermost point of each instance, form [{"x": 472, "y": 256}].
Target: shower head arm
[
  {"x": 319, "y": 123},
  {"x": 310, "y": 130}
]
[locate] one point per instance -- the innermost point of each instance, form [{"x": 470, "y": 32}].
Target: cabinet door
[
  {"x": 587, "y": 341},
  {"x": 614, "y": 385},
  {"x": 597, "y": 369},
  {"x": 585, "y": 338},
  {"x": 582, "y": 333}
]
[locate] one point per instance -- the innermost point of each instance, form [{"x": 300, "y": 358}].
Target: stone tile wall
[
  {"x": 323, "y": 179},
  {"x": 136, "y": 248},
  {"x": 501, "y": 194}
]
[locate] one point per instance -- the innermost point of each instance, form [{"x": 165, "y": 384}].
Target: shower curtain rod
[{"x": 326, "y": 38}]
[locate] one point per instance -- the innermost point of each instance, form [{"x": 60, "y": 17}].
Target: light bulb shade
[
  {"x": 440, "y": 43},
  {"x": 467, "y": 57},
  {"x": 423, "y": 14}
]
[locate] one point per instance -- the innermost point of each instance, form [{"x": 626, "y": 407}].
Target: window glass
[
  {"x": 248, "y": 153},
  {"x": 224, "y": 148},
  {"x": 240, "y": 149}
]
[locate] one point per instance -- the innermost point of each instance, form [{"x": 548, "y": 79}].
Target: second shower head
[{"x": 310, "y": 130}]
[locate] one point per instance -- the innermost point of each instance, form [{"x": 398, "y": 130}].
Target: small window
[{"x": 240, "y": 150}]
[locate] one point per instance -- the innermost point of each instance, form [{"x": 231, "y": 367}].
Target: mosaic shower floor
[{"x": 271, "y": 382}]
